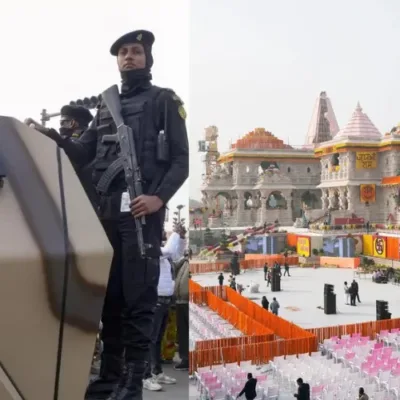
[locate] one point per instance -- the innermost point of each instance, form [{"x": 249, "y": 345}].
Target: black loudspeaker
[
  {"x": 276, "y": 280},
  {"x": 382, "y": 310},
  {"x": 329, "y": 299}
]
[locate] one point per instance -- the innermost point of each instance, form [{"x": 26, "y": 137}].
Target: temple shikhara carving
[{"x": 352, "y": 172}]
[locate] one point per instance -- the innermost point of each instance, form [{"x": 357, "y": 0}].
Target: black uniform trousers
[{"x": 131, "y": 296}]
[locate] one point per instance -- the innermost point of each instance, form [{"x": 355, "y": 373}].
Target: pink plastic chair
[
  {"x": 240, "y": 375},
  {"x": 365, "y": 366},
  {"x": 386, "y": 367},
  {"x": 372, "y": 371},
  {"x": 391, "y": 361},
  {"x": 395, "y": 330},
  {"x": 214, "y": 386},
  {"x": 356, "y": 335},
  {"x": 316, "y": 390},
  {"x": 378, "y": 346}
]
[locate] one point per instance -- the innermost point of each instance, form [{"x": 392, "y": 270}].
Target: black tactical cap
[
  {"x": 80, "y": 114},
  {"x": 146, "y": 38}
]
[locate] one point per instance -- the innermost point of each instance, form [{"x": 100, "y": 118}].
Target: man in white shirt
[{"x": 173, "y": 250}]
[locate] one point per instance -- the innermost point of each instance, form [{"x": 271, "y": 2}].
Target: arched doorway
[
  {"x": 248, "y": 204},
  {"x": 276, "y": 201},
  {"x": 310, "y": 200}
]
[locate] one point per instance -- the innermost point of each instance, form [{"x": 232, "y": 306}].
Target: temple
[{"x": 351, "y": 172}]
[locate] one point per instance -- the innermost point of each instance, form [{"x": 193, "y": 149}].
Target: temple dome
[
  {"x": 259, "y": 139},
  {"x": 359, "y": 126}
]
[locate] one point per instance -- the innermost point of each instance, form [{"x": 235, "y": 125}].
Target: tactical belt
[{"x": 115, "y": 168}]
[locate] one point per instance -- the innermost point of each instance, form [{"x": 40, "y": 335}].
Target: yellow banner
[
  {"x": 368, "y": 193},
  {"x": 379, "y": 247},
  {"x": 303, "y": 246},
  {"x": 366, "y": 160},
  {"x": 330, "y": 150}
]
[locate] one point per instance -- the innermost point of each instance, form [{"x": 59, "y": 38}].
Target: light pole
[{"x": 88, "y": 102}]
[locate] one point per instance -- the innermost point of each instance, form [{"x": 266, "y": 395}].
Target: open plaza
[{"x": 303, "y": 292}]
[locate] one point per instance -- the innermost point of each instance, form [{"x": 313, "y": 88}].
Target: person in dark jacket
[
  {"x": 221, "y": 279},
  {"x": 303, "y": 391},
  {"x": 233, "y": 284},
  {"x": 265, "y": 271},
  {"x": 265, "y": 303},
  {"x": 249, "y": 389},
  {"x": 353, "y": 294},
  {"x": 357, "y": 290}
]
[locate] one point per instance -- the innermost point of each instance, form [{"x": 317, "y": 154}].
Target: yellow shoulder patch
[{"x": 182, "y": 112}]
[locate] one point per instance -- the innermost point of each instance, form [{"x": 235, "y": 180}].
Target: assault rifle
[{"x": 127, "y": 155}]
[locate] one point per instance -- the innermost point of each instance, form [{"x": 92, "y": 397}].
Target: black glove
[{"x": 49, "y": 132}]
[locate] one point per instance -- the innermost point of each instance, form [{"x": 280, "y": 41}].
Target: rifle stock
[{"x": 111, "y": 99}]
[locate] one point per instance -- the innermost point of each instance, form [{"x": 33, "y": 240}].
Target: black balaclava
[
  {"x": 137, "y": 77},
  {"x": 76, "y": 132}
]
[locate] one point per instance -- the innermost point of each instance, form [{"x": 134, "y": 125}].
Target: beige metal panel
[{"x": 32, "y": 266}]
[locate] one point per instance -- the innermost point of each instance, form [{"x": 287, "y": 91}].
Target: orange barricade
[
  {"x": 340, "y": 262},
  {"x": 259, "y": 353},
  {"x": 235, "y": 317},
  {"x": 281, "y": 327},
  {"x": 202, "y": 268},
  {"x": 258, "y": 260},
  {"x": 370, "y": 329},
  {"x": 226, "y": 302},
  {"x": 251, "y": 261}
]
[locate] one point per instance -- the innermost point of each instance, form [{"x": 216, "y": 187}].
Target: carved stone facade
[
  {"x": 354, "y": 167},
  {"x": 243, "y": 193},
  {"x": 261, "y": 179}
]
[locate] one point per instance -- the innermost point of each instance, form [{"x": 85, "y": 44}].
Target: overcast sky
[
  {"x": 55, "y": 52},
  {"x": 237, "y": 64},
  {"x": 263, "y": 63}
]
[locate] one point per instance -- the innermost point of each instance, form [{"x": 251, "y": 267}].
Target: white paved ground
[{"x": 303, "y": 292}]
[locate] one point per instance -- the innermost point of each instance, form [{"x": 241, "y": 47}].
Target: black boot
[
  {"x": 130, "y": 386},
  {"x": 110, "y": 373}
]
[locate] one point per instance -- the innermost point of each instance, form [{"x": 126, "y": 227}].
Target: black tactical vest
[{"x": 138, "y": 112}]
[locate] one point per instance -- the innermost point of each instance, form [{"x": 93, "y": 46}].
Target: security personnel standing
[
  {"x": 73, "y": 122},
  {"x": 157, "y": 119}
]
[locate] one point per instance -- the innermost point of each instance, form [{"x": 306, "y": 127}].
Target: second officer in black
[{"x": 157, "y": 119}]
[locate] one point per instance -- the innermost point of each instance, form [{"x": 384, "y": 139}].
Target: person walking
[
  {"x": 355, "y": 284},
  {"x": 274, "y": 306},
  {"x": 303, "y": 390},
  {"x": 353, "y": 294},
  {"x": 265, "y": 271},
  {"x": 249, "y": 389},
  {"x": 265, "y": 303}
]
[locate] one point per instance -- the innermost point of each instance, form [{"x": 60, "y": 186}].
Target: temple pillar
[{"x": 325, "y": 199}]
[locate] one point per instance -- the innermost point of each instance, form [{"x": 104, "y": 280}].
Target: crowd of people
[{"x": 380, "y": 276}]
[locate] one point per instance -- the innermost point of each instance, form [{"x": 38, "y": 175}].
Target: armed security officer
[
  {"x": 74, "y": 121},
  {"x": 157, "y": 119}
]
